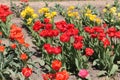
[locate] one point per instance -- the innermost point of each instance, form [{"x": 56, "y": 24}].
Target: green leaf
[
  {"x": 59, "y": 57},
  {"x": 118, "y": 62},
  {"x": 114, "y": 69},
  {"x": 42, "y": 62},
  {"x": 79, "y": 79},
  {"x": 88, "y": 77},
  {"x": 102, "y": 73},
  {"x": 77, "y": 63},
  {"x": 118, "y": 27},
  {"x": 95, "y": 62},
  {"x": 12, "y": 73},
  {"x": 84, "y": 58},
  {"x": 2, "y": 76},
  {"x": 48, "y": 67},
  {"x": 21, "y": 76},
  {"x": 32, "y": 64}
]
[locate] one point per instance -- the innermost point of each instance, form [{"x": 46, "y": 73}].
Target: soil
[{"x": 36, "y": 5}]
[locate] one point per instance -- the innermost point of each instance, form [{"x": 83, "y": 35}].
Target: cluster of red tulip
[
  {"x": 63, "y": 32},
  {"x": 48, "y": 31},
  {"x": 52, "y": 50},
  {"x": 102, "y": 33},
  {"x": 4, "y": 12},
  {"x": 68, "y": 46}
]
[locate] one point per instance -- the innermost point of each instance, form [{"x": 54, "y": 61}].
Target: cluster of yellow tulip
[
  {"x": 109, "y": 9},
  {"x": 112, "y": 14},
  {"x": 92, "y": 16},
  {"x": 28, "y": 14},
  {"x": 47, "y": 13},
  {"x": 112, "y": 10},
  {"x": 71, "y": 12}
]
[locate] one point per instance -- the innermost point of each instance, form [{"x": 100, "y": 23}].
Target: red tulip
[
  {"x": 27, "y": 72},
  {"x": 78, "y": 45},
  {"x": 63, "y": 75},
  {"x": 89, "y": 51},
  {"x": 13, "y": 46},
  {"x": 46, "y": 20},
  {"x": 56, "y": 65},
  {"x": 23, "y": 56},
  {"x": 64, "y": 38}
]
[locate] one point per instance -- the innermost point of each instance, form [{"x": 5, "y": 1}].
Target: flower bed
[
  {"x": 15, "y": 56},
  {"x": 67, "y": 47},
  {"x": 84, "y": 37}
]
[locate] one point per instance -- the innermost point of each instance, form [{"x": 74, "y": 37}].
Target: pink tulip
[{"x": 83, "y": 73}]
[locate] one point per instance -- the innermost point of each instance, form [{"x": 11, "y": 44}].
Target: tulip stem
[{"x": 27, "y": 79}]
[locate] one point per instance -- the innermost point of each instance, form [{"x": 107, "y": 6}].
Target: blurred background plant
[
  {"x": 17, "y": 8},
  {"x": 86, "y": 15},
  {"x": 111, "y": 14},
  {"x": 90, "y": 16}
]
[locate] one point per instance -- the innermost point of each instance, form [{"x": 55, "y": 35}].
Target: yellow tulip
[
  {"x": 46, "y": 10},
  {"x": 43, "y": 10},
  {"x": 70, "y": 15},
  {"x": 71, "y": 8},
  {"x": 98, "y": 20},
  {"x": 29, "y": 21},
  {"x": 75, "y": 14},
  {"x": 54, "y": 13},
  {"x": 48, "y": 15},
  {"x": 108, "y": 5},
  {"x": 34, "y": 16},
  {"x": 68, "y": 12},
  {"x": 40, "y": 11},
  {"x": 88, "y": 11},
  {"x": 104, "y": 10},
  {"x": 113, "y": 10},
  {"x": 115, "y": 13},
  {"x": 23, "y": 14},
  {"x": 29, "y": 10},
  {"x": 118, "y": 14},
  {"x": 92, "y": 17},
  {"x": 88, "y": 15}
]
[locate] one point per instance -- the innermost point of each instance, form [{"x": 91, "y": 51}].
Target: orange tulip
[
  {"x": 2, "y": 48},
  {"x": 13, "y": 46},
  {"x": 16, "y": 34},
  {"x": 0, "y": 33},
  {"x": 23, "y": 56},
  {"x": 0, "y": 41},
  {"x": 26, "y": 45}
]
